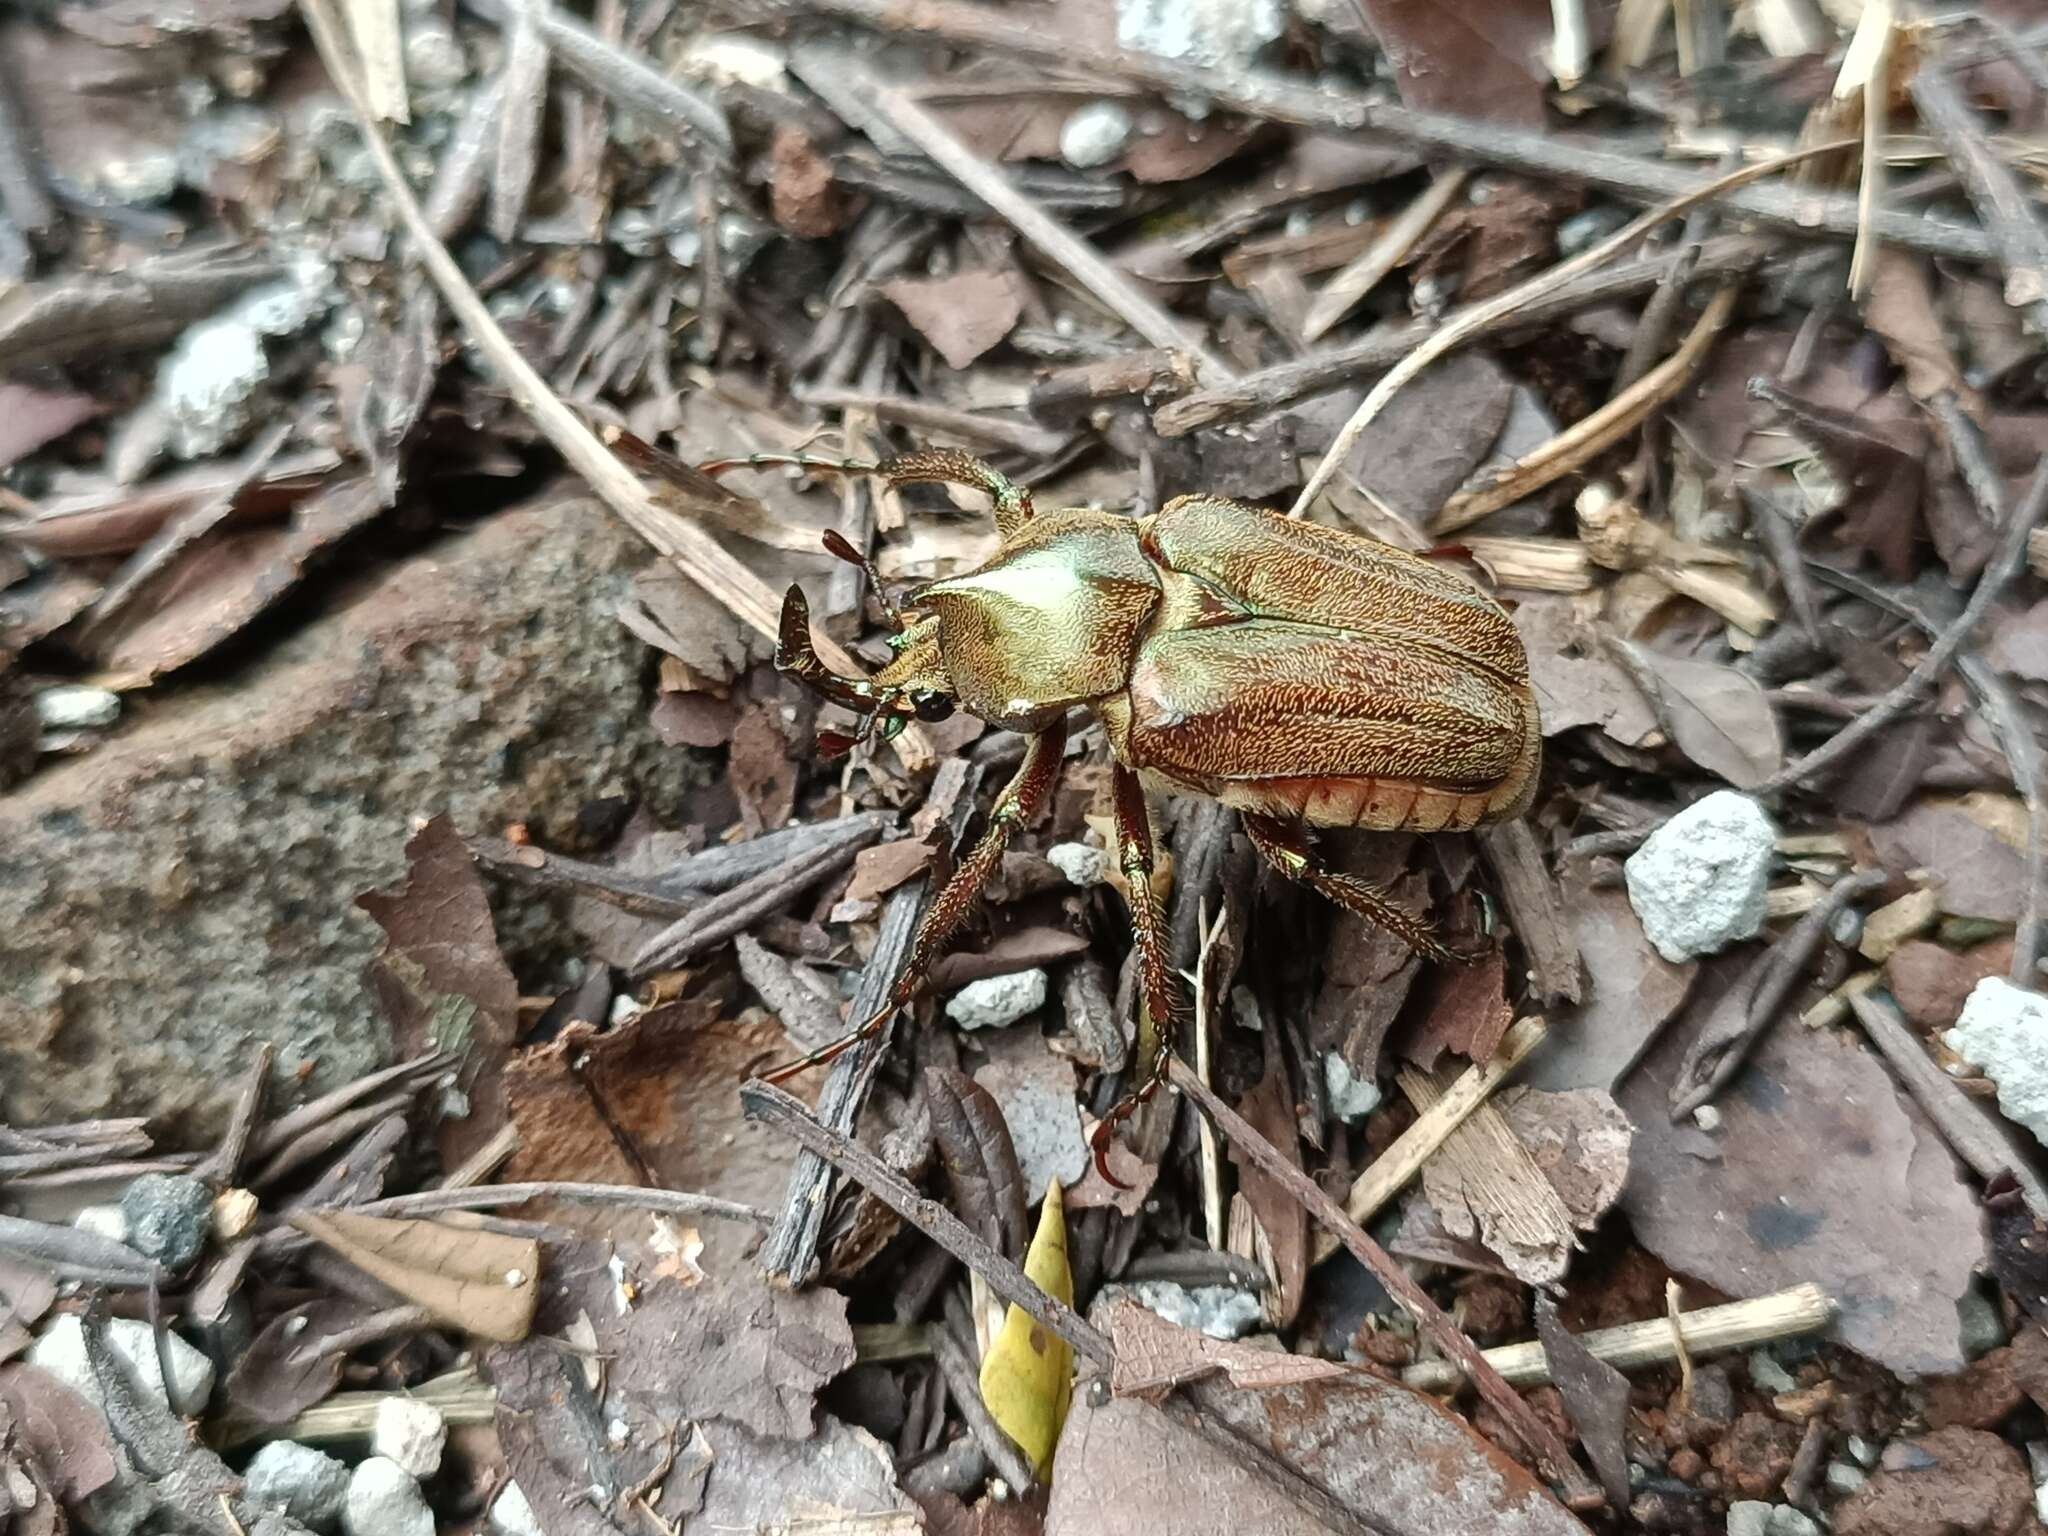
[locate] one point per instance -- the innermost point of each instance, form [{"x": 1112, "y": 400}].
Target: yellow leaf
[{"x": 1027, "y": 1381}]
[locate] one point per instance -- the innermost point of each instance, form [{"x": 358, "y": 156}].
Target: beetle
[{"x": 1305, "y": 676}]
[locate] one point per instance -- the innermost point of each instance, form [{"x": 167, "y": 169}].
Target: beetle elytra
[{"x": 1305, "y": 676}]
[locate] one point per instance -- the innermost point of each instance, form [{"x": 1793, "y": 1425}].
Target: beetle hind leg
[
  {"x": 1287, "y": 850},
  {"x": 1017, "y": 804},
  {"x": 1159, "y": 1018}
]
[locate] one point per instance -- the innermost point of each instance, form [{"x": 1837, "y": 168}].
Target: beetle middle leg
[
  {"x": 1018, "y": 803},
  {"x": 1160, "y": 1014},
  {"x": 1287, "y": 849}
]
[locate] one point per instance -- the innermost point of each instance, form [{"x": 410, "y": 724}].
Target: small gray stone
[
  {"x": 1082, "y": 864},
  {"x": 1749, "y": 1517},
  {"x": 1707, "y": 1118},
  {"x": 1590, "y": 226},
  {"x": 1095, "y": 135},
  {"x": 1700, "y": 881},
  {"x": 995, "y": 1001},
  {"x": 1980, "y": 1327},
  {"x": 168, "y": 1217},
  {"x": 1351, "y": 1098},
  {"x": 434, "y": 58},
  {"x": 2004, "y": 1030},
  {"x": 102, "y": 1221},
  {"x": 306, "y": 1484},
  {"x": 512, "y": 1515},
  {"x": 1787, "y": 1521},
  {"x": 2037, "y": 1464},
  {"x": 210, "y": 384},
  {"x": 410, "y": 1433},
  {"x": 1865, "y": 1451},
  {"x": 1766, "y": 1375},
  {"x": 384, "y": 1500},
  {"x": 76, "y": 707},
  {"x": 1219, "y": 1311},
  {"x": 1845, "y": 1477},
  {"x": 60, "y": 1350}
]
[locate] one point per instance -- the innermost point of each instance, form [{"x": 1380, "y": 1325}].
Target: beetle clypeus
[{"x": 1302, "y": 675}]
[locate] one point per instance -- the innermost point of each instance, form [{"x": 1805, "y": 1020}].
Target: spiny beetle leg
[
  {"x": 1018, "y": 803},
  {"x": 949, "y": 466},
  {"x": 1287, "y": 849},
  {"x": 1158, "y": 1019}
]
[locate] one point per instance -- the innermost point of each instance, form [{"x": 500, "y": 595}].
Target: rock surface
[
  {"x": 188, "y": 888},
  {"x": 410, "y": 1433},
  {"x": 1699, "y": 882},
  {"x": 306, "y": 1484},
  {"x": 383, "y": 1500},
  {"x": 2004, "y": 1030},
  {"x": 60, "y": 1350}
]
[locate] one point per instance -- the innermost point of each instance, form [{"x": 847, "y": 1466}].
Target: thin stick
[
  {"x": 2001, "y": 201},
  {"x": 1631, "y": 1346},
  {"x": 1212, "y": 1165},
  {"x": 485, "y": 1197},
  {"x": 1357, "y": 278},
  {"x": 1966, "y": 1125},
  {"x": 693, "y": 551},
  {"x": 288, "y": 1128},
  {"x": 226, "y": 1162},
  {"x": 1519, "y": 1417},
  {"x": 1594, "y": 434},
  {"x": 374, "y": 26},
  {"x": 1403, "y": 1159},
  {"x": 2009, "y": 560},
  {"x": 1051, "y": 239},
  {"x": 771, "y": 1106},
  {"x": 1506, "y": 304},
  {"x": 1277, "y": 99}
]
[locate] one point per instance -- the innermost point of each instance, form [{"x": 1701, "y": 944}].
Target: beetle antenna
[
  {"x": 837, "y": 545},
  {"x": 808, "y": 461}
]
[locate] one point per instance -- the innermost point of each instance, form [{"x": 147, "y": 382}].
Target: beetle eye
[{"x": 931, "y": 706}]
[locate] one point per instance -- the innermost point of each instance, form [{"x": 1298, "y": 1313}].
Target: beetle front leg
[
  {"x": 1287, "y": 850},
  {"x": 1157, "y": 1019},
  {"x": 1017, "y": 804}
]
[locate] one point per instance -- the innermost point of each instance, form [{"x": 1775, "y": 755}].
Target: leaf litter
[{"x": 739, "y": 255}]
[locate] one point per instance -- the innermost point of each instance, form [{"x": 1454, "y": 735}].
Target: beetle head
[{"x": 913, "y": 686}]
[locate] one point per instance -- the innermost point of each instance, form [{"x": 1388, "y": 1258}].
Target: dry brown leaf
[
  {"x": 441, "y": 981},
  {"x": 1595, "y": 1395},
  {"x": 1475, "y": 58},
  {"x": 1718, "y": 717},
  {"x": 1819, "y": 1173},
  {"x": 979, "y": 1158},
  {"x": 1631, "y": 991},
  {"x": 880, "y": 869},
  {"x": 1395, "y": 1457},
  {"x": 1269, "y": 1106},
  {"x": 285, "y": 1371},
  {"x": 962, "y": 316},
  {"x": 485, "y": 1283},
  {"x": 1468, "y": 1013},
  {"x": 1900, "y": 308},
  {"x": 31, "y": 417},
  {"x": 1434, "y": 434},
  {"x": 1974, "y": 871},
  {"x": 1575, "y": 683},
  {"x": 761, "y": 769},
  {"x": 59, "y": 1430},
  {"x": 801, "y": 193}
]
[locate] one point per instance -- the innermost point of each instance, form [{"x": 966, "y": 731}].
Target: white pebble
[
  {"x": 409, "y": 1433},
  {"x": 103, "y": 1221},
  {"x": 1082, "y": 864},
  {"x": 1707, "y": 1118},
  {"x": 306, "y": 1484},
  {"x": 1351, "y": 1098},
  {"x": 995, "y": 1001},
  {"x": 1095, "y": 135},
  {"x": 75, "y": 707},
  {"x": 1701, "y": 881},
  {"x": 2004, "y": 1030},
  {"x": 60, "y": 1350},
  {"x": 512, "y": 1515},
  {"x": 385, "y": 1500}
]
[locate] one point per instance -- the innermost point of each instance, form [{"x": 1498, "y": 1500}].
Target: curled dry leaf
[
  {"x": 1027, "y": 1377},
  {"x": 1717, "y": 716},
  {"x": 962, "y": 316},
  {"x": 1395, "y": 1457},
  {"x": 441, "y": 981},
  {"x": 58, "y": 1430},
  {"x": 285, "y": 1371},
  {"x": 880, "y": 869},
  {"x": 1474, "y": 58},
  {"x": 980, "y": 1161},
  {"x": 485, "y": 1283},
  {"x": 1631, "y": 991},
  {"x": 1283, "y": 1223},
  {"x": 1595, "y": 1395}
]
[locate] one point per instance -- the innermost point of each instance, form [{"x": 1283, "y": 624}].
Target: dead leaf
[
  {"x": 1129, "y": 1468},
  {"x": 1021, "y": 949},
  {"x": 1878, "y": 455},
  {"x": 1269, "y": 1106},
  {"x": 1631, "y": 991},
  {"x": 1575, "y": 683},
  {"x": 441, "y": 981},
  {"x": 880, "y": 869},
  {"x": 1579, "y": 1139},
  {"x": 1817, "y": 1173},
  {"x": 284, "y": 1371},
  {"x": 981, "y": 1165},
  {"x": 480, "y": 1282},
  {"x": 1475, "y": 58},
  {"x": 1368, "y": 972},
  {"x": 1467, "y": 1015},
  {"x": 1153, "y": 1356},
  {"x": 801, "y": 193},
  {"x": 31, "y": 417},
  {"x": 1595, "y": 1395},
  {"x": 60, "y": 1430},
  {"x": 1184, "y": 149},
  {"x": 842, "y": 1478},
  {"x": 1718, "y": 717},
  {"x": 1974, "y": 872},
  {"x": 1432, "y": 435},
  {"x": 760, "y": 769},
  {"x": 1900, "y": 309},
  {"x": 962, "y": 316},
  {"x": 210, "y": 592},
  {"x": 2018, "y": 643},
  {"x": 1035, "y": 1090},
  {"x": 693, "y": 719}
]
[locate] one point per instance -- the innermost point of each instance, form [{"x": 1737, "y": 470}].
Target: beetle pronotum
[{"x": 1302, "y": 675}]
